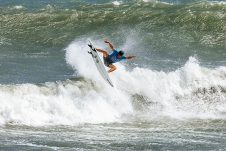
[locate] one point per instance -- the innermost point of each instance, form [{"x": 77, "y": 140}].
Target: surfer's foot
[
  {"x": 110, "y": 71},
  {"x": 113, "y": 68}
]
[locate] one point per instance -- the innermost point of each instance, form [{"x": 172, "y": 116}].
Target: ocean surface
[{"x": 171, "y": 97}]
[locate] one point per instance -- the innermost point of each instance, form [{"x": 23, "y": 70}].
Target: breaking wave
[{"x": 191, "y": 91}]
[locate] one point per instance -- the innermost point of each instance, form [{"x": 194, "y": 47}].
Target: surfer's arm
[
  {"x": 100, "y": 50},
  {"x": 130, "y": 57},
  {"x": 105, "y": 54},
  {"x": 110, "y": 45}
]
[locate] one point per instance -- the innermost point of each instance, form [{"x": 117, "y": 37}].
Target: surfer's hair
[{"x": 121, "y": 53}]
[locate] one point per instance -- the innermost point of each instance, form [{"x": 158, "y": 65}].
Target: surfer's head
[{"x": 120, "y": 53}]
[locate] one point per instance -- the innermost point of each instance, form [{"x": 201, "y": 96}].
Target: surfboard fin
[{"x": 90, "y": 46}]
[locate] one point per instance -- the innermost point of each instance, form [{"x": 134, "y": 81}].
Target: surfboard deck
[{"x": 99, "y": 64}]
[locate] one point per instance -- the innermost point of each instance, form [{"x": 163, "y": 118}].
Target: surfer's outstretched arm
[
  {"x": 130, "y": 57},
  {"x": 110, "y": 45}
]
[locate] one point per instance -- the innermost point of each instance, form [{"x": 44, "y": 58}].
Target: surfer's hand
[
  {"x": 106, "y": 41},
  {"x": 130, "y": 57}
]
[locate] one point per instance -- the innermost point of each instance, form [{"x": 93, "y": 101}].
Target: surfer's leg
[
  {"x": 105, "y": 54},
  {"x": 112, "y": 68}
]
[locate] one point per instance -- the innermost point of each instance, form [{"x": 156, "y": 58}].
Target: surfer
[{"x": 115, "y": 56}]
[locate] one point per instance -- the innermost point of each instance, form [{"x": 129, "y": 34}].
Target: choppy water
[
  {"x": 157, "y": 135},
  {"x": 171, "y": 97}
]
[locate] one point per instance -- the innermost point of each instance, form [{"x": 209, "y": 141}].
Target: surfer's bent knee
[{"x": 105, "y": 54}]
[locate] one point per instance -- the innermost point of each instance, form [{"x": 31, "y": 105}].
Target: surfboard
[{"x": 99, "y": 64}]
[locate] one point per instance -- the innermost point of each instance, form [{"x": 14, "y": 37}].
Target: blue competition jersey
[{"x": 114, "y": 57}]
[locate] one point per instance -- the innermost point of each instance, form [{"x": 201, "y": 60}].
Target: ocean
[{"x": 172, "y": 96}]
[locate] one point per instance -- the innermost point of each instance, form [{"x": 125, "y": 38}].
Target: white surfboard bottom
[{"x": 99, "y": 64}]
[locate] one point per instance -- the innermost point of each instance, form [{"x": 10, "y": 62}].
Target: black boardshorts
[{"x": 107, "y": 61}]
